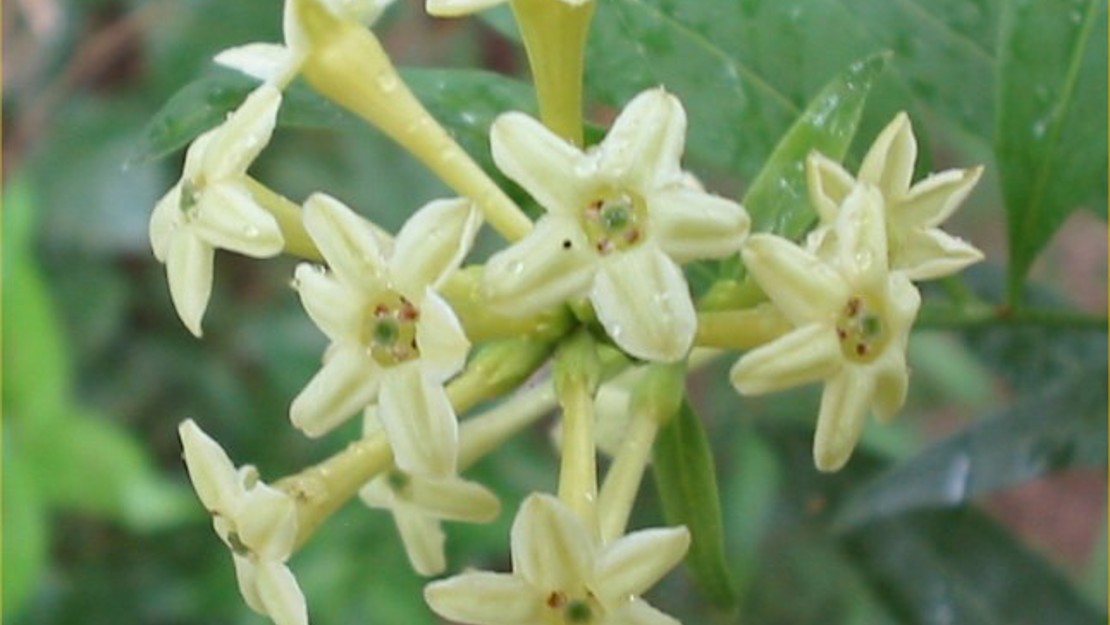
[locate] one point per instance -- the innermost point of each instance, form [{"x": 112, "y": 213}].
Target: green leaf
[
  {"x": 1050, "y": 136},
  {"x": 960, "y": 567},
  {"x": 687, "y": 485},
  {"x": 777, "y": 200},
  {"x": 1059, "y": 427},
  {"x": 26, "y": 532}
]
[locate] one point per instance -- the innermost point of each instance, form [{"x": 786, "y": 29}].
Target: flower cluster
[{"x": 597, "y": 283}]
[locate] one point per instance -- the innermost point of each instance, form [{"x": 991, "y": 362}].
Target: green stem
[
  {"x": 288, "y": 216},
  {"x": 956, "y": 318},
  {"x": 740, "y": 329},
  {"x": 577, "y": 373}
]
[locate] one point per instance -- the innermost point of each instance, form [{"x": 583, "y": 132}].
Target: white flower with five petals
[
  {"x": 852, "y": 318},
  {"x": 561, "y": 574},
  {"x": 394, "y": 340},
  {"x": 915, "y": 244},
  {"x": 212, "y": 206},
  {"x": 257, "y": 522},
  {"x": 620, "y": 218}
]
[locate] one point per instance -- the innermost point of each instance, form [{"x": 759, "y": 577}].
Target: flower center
[
  {"x": 861, "y": 331},
  {"x": 614, "y": 222},
  {"x": 389, "y": 329},
  {"x": 569, "y": 611},
  {"x": 190, "y": 196}
]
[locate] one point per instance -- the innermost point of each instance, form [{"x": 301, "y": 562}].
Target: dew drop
[{"x": 251, "y": 232}]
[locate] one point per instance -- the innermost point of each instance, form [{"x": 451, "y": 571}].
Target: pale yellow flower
[
  {"x": 257, "y": 522},
  {"x": 211, "y": 206},
  {"x": 852, "y": 318},
  {"x": 562, "y": 575},
  {"x": 394, "y": 340},
  {"x": 916, "y": 244},
  {"x": 620, "y": 219}
]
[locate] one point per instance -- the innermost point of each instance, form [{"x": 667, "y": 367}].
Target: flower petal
[
  {"x": 644, "y": 147},
  {"x": 933, "y": 253},
  {"x": 189, "y": 274},
  {"x": 423, "y": 539},
  {"x": 432, "y": 244},
  {"x": 639, "y": 612},
  {"x": 635, "y": 562},
  {"x": 264, "y": 61},
  {"x": 440, "y": 338},
  {"x": 551, "y": 549},
  {"x": 279, "y": 592},
  {"x": 690, "y": 224},
  {"x": 861, "y": 237},
  {"x": 419, "y": 421},
  {"x": 540, "y": 161},
  {"x": 933, "y": 200},
  {"x": 349, "y": 243},
  {"x": 892, "y": 380},
  {"x": 540, "y": 270},
  {"x": 828, "y": 183},
  {"x": 889, "y": 162},
  {"x": 228, "y": 217},
  {"x": 802, "y": 286},
  {"x": 481, "y": 598},
  {"x": 165, "y": 222},
  {"x": 454, "y": 499},
  {"x": 844, "y": 405},
  {"x": 808, "y": 354},
  {"x": 347, "y": 382},
  {"x": 267, "y": 522},
  {"x": 334, "y": 307},
  {"x": 247, "y": 577},
  {"x": 642, "y": 300},
  {"x": 240, "y": 139},
  {"x": 211, "y": 471}
]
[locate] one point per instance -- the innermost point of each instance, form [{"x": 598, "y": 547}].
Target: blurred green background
[{"x": 984, "y": 503}]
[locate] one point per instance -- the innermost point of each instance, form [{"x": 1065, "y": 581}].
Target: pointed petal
[
  {"x": 279, "y": 592},
  {"x": 346, "y": 383},
  {"x": 889, "y": 162},
  {"x": 639, "y": 612},
  {"x": 377, "y": 494},
  {"x": 440, "y": 338},
  {"x": 247, "y": 578},
  {"x": 189, "y": 274},
  {"x": 165, "y": 222},
  {"x": 933, "y": 253},
  {"x": 802, "y": 286},
  {"x": 551, "y": 549},
  {"x": 540, "y": 161},
  {"x": 264, "y": 61},
  {"x": 644, "y": 146},
  {"x": 892, "y": 380},
  {"x": 861, "y": 237},
  {"x": 419, "y": 421},
  {"x": 642, "y": 300},
  {"x": 933, "y": 200},
  {"x": 335, "y": 308},
  {"x": 432, "y": 244},
  {"x": 455, "y": 8},
  {"x": 828, "y": 183},
  {"x": 690, "y": 224},
  {"x": 482, "y": 598},
  {"x": 635, "y": 562},
  {"x": 363, "y": 11},
  {"x": 806, "y": 355},
  {"x": 211, "y": 471},
  {"x": 423, "y": 539},
  {"x": 844, "y": 405},
  {"x": 228, "y": 217},
  {"x": 454, "y": 499},
  {"x": 540, "y": 271},
  {"x": 348, "y": 242},
  {"x": 240, "y": 139},
  {"x": 267, "y": 522}
]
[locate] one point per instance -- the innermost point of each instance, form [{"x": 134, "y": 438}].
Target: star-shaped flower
[
  {"x": 393, "y": 338},
  {"x": 916, "y": 245},
  {"x": 852, "y": 318},
  {"x": 455, "y": 8},
  {"x": 419, "y": 503},
  {"x": 212, "y": 206},
  {"x": 256, "y": 521},
  {"x": 620, "y": 218},
  {"x": 277, "y": 63},
  {"x": 561, "y": 575}
]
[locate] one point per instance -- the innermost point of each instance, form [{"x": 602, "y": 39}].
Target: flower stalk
[{"x": 577, "y": 374}]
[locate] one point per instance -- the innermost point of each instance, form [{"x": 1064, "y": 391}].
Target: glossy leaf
[
  {"x": 1050, "y": 136},
  {"x": 1058, "y": 428},
  {"x": 687, "y": 484}
]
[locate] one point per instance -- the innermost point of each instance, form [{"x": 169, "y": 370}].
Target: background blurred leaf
[
  {"x": 685, "y": 478},
  {"x": 1051, "y": 128},
  {"x": 26, "y": 531}
]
